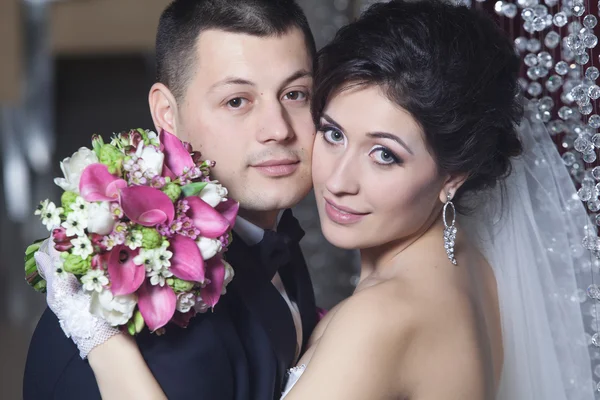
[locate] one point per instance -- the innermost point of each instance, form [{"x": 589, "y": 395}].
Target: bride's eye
[
  {"x": 332, "y": 135},
  {"x": 384, "y": 156}
]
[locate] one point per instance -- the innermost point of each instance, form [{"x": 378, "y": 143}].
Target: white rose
[
  {"x": 209, "y": 247},
  {"x": 99, "y": 218},
  {"x": 116, "y": 310},
  {"x": 185, "y": 302},
  {"x": 213, "y": 194},
  {"x": 72, "y": 168},
  {"x": 229, "y": 274},
  {"x": 153, "y": 159}
]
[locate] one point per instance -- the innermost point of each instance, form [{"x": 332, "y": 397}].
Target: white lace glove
[{"x": 70, "y": 303}]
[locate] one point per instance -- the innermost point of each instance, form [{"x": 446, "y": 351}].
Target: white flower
[
  {"x": 145, "y": 258},
  {"x": 99, "y": 218},
  {"x": 162, "y": 256},
  {"x": 51, "y": 216},
  {"x": 41, "y": 209},
  {"x": 153, "y": 137},
  {"x": 209, "y": 247},
  {"x": 75, "y": 224},
  {"x": 229, "y": 274},
  {"x": 94, "y": 280},
  {"x": 153, "y": 159},
  {"x": 200, "y": 306},
  {"x": 72, "y": 168},
  {"x": 158, "y": 276},
  {"x": 185, "y": 302},
  {"x": 213, "y": 193},
  {"x": 82, "y": 247},
  {"x": 116, "y": 310},
  {"x": 80, "y": 206},
  {"x": 134, "y": 240}
]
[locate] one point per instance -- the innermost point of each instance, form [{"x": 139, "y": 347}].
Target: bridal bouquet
[{"x": 142, "y": 227}]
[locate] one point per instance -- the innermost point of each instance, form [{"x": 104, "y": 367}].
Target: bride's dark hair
[{"x": 449, "y": 66}]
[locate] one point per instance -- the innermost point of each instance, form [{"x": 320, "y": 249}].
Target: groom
[{"x": 234, "y": 78}]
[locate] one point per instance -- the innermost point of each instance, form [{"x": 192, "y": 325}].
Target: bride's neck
[{"x": 380, "y": 262}]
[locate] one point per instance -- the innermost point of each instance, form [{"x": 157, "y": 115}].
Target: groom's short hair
[{"x": 183, "y": 20}]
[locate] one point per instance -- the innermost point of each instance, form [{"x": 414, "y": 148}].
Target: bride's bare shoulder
[{"x": 417, "y": 337}]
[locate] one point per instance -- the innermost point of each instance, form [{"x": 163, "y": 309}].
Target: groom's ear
[{"x": 163, "y": 108}]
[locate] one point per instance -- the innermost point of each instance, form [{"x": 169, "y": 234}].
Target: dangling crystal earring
[{"x": 450, "y": 231}]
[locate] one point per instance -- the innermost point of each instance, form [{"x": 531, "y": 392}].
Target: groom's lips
[{"x": 277, "y": 168}]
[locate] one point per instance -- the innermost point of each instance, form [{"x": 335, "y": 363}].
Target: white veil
[{"x": 531, "y": 233}]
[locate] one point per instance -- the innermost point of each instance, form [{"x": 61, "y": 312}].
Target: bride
[{"x": 457, "y": 206}]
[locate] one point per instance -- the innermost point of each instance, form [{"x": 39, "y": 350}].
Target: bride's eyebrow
[
  {"x": 378, "y": 135},
  {"x": 391, "y": 136},
  {"x": 331, "y": 121}
]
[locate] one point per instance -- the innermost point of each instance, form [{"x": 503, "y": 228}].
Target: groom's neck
[{"x": 262, "y": 219}]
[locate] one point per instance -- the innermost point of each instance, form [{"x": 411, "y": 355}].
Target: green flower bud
[
  {"x": 112, "y": 157},
  {"x": 144, "y": 134},
  {"x": 179, "y": 285},
  {"x": 66, "y": 200},
  {"x": 97, "y": 143},
  {"x": 76, "y": 265},
  {"x": 138, "y": 321},
  {"x": 151, "y": 239},
  {"x": 172, "y": 190}
]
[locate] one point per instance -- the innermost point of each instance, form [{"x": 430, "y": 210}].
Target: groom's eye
[
  {"x": 295, "y": 95},
  {"x": 236, "y": 102}
]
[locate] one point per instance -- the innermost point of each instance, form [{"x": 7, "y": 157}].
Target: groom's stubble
[{"x": 247, "y": 102}]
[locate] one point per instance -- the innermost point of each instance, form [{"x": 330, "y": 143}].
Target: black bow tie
[{"x": 275, "y": 248}]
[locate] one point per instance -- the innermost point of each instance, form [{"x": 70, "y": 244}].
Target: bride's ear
[
  {"x": 451, "y": 186},
  {"x": 163, "y": 108}
]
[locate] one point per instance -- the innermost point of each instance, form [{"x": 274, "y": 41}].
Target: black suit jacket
[{"x": 240, "y": 351}]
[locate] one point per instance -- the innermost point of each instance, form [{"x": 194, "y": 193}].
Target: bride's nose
[{"x": 344, "y": 178}]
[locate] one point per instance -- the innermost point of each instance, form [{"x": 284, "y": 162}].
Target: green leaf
[
  {"x": 40, "y": 286},
  {"x": 30, "y": 266},
  {"x": 193, "y": 188},
  {"x": 32, "y": 248}
]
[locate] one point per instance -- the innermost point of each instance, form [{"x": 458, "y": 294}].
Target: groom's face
[{"x": 247, "y": 108}]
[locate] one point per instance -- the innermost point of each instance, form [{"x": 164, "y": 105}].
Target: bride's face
[{"x": 375, "y": 181}]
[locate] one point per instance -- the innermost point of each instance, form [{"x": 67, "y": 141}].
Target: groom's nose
[{"x": 274, "y": 124}]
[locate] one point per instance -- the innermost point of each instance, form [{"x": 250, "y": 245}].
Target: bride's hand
[
  {"x": 118, "y": 366},
  {"x": 70, "y": 303}
]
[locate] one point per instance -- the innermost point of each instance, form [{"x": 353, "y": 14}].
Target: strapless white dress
[{"x": 293, "y": 375}]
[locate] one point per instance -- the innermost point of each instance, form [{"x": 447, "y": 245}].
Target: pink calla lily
[
  {"x": 229, "y": 210},
  {"x": 97, "y": 184},
  {"x": 167, "y": 173},
  {"x": 187, "y": 262},
  {"x": 177, "y": 157},
  {"x": 156, "y": 304},
  {"x": 215, "y": 272},
  {"x": 146, "y": 206},
  {"x": 125, "y": 276},
  {"x": 210, "y": 222}
]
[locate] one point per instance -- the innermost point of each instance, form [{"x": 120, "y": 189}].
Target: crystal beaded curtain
[{"x": 557, "y": 43}]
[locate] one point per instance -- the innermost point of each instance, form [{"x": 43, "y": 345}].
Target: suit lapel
[{"x": 264, "y": 302}]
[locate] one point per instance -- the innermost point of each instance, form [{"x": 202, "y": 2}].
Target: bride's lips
[
  {"x": 277, "y": 168},
  {"x": 342, "y": 215}
]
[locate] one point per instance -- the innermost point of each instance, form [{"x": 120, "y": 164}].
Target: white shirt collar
[{"x": 251, "y": 234}]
